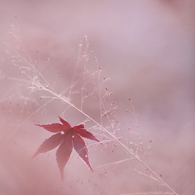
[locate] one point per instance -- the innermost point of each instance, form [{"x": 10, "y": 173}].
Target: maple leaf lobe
[
  {"x": 49, "y": 144},
  {"x": 63, "y": 153},
  {"x": 81, "y": 149},
  {"x": 54, "y": 127},
  {"x": 84, "y": 133},
  {"x": 65, "y": 123}
]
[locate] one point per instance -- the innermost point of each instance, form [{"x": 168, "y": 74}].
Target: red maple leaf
[{"x": 67, "y": 138}]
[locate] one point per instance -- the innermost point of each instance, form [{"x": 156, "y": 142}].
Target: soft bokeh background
[{"x": 146, "y": 48}]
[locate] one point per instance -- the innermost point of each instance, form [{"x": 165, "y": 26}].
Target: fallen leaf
[{"x": 67, "y": 138}]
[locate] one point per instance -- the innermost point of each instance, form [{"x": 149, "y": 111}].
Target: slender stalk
[{"x": 112, "y": 136}]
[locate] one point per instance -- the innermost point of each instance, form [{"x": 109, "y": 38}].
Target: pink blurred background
[{"x": 146, "y": 48}]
